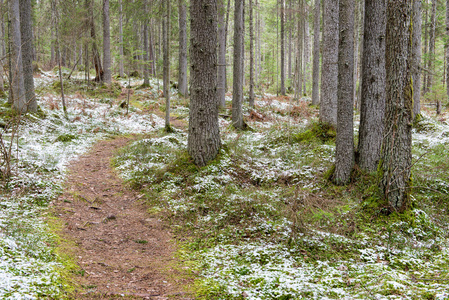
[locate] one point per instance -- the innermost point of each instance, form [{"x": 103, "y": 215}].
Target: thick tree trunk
[
  {"x": 221, "y": 53},
  {"x": 106, "y": 44},
  {"x": 251, "y": 55},
  {"x": 26, "y": 28},
  {"x": 316, "y": 54},
  {"x": 204, "y": 135},
  {"x": 282, "y": 12},
  {"x": 344, "y": 153},
  {"x": 372, "y": 109},
  {"x": 416, "y": 56},
  {"x": 95, "y": 54},
  {"x": 329, "y": 66},
  {"x": 396, "y": 156},
  {"x": 166, "y": 77},
  {"x": 237, "y": 88},
  {"x": 17, "y": 89},
  {"x": 182, "y": 79},
  {"x": 120, "y": 24}
]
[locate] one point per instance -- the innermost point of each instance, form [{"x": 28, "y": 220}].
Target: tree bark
[
  {"x": 372, "y": 105},
  {"x": 344, "y": 154},
  {"x": 182, "y": 79},
  {"x": 316, "y": 54},
  {"x": 251, "y": 55},
  {"x": 396, "y": 156},
  {"x": 425, "y": 49},
  {"x": 17, "y": 89},
  {"x": 431, "y": 45},
  {"x": 237, "y": 88},
  {"x": 221, "y": 53},
  {"x": 146, "y": 71},
  {"x": 26, "y": 28},
  {"x": 106, "y": 44},
  {"x": 166, "y": 70},
  {"x": 329, "y": 66},
  {"x": 121, "y": 68},
  {"x": 416, "y": 56},
  {"x": 95, "y": 54},
  {"x": 282, "y": 13},
  {"x": 204, "y": 135}
]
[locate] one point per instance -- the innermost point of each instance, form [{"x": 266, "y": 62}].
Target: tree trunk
[
  {"x": 95, "y": 54},
  {"x": 431, "y": 45},
  {"x": 120, "y": 62},
  {"x": 182, "y": 80},
  {"x": 290, "y": 37},
  {"x": 106, "y": 44},
  {"x": 372, "y": 109},
  {"x": 166, "y": 77},
  {"x": 425, "y": 49},
  {"x": 26, "y": 28},
  {"x": 204, "y": 135},
  {"x": 221, "y": 53},
  {"x": 17, "y": 89},
  {"x": 344, "y": 153},
  {"x": 282, "y": 12},
  {"x": 329, "y": 66},
  {"x": 146, "y": 71},
  {"x": 316, "y": 54},
  {"x": 416, "y": 56},
  {"x": 251, "y": 55},
  {"x": 396, "y": 156},
  {"x": 237, "y": 88},
  {"x": 306, "y": 46}
]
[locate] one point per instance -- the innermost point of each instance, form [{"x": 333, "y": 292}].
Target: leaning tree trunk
[
  {"x": 372, "y": 105},
  {"x": 17, "y": 89},
  {"x": 182, "y": 80},
  {"x": 329, "y": 66},
  {"x": 204, "y": 135},
  {"x": 316, "y": 54},
  {"x": 106, "y": 44},
  {"x": 344, "y": 152},
  {"x": 26, "y": 28},
  {"x": 416, "y": 55},
  {"x": 396, "y": 156},
  {"x": 237, "y": 89}
]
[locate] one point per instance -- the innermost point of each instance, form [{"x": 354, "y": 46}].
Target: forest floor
[{"x": 121, "y": 249}]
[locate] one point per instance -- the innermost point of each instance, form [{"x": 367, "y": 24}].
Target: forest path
[{"x": 121, "y": 248}]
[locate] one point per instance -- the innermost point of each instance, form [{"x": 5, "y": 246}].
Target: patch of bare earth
[{"x": 121, "y": 249}]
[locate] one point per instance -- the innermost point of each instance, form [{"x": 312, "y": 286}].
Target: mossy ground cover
[{"x": 263, "y": 222}]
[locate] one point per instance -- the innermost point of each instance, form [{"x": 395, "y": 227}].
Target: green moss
[
  {"x": 320, "y": 131},
  {"x": 65, "y": 138}
]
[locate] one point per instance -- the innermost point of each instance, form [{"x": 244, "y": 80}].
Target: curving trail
[{"x": 120, "y": 248}]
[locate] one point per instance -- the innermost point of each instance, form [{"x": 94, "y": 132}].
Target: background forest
[{"x": 294, "y": 149}]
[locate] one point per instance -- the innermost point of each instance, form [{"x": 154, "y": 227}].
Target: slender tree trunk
[
  {"x": 447, "y": 47},
  {"x": 26, "y": 28},
  {"x": 360, "y": 42},
  {"x": 17, "y": 89},
  {"x": 221, "y": 53},
  {"x": 344, "y": 153},
  {"x": 290, "y": 37},
  {"x": 416, "y": 56},
  {"x": 151, "y": 55},
  {"x": 166, "y": 79},
  {"x": 204, "y": 136},
  {"x": 120, "y": 66},
  {"x": 432, "y": 45},
  {"x": 316, "y": 54},
  {"x": 182, "y": 80},
  {"x": 372, "y": 110},
  {"x": 282, "y": 12},
  {"x": 237, "y": 89},
  {"x": 106, "y": 44},
  {"x": 426, "y": 49},
  {"x": 251, "y": 55},
  {"x": 95, "y": 54},
  {"x": 396, "y": 156},
  {"x": 329, "y": 66},
  {"x": 228, "y": 10},
  {"x": 146, "y": 71},
  {"x": 306, "y": 46}
]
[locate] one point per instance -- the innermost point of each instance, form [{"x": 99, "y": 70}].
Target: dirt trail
[{"x": 121, "y": 249}]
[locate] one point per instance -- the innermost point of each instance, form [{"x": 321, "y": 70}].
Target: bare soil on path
[{"x": 121, "y": 248}]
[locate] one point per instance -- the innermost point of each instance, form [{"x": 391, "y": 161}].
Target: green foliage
[
  {"x": 317, "y": 131},
  {"x": 66, "y": 138}
]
